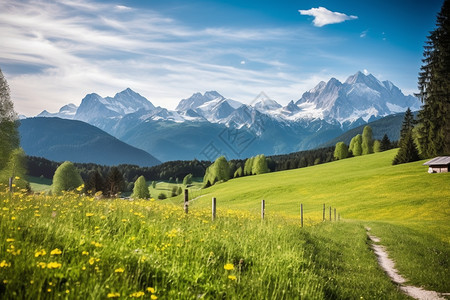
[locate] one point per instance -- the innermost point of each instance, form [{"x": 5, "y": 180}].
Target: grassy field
[
  {"x": 39, "y": 184},
  {"x": 73, "y": 246}
]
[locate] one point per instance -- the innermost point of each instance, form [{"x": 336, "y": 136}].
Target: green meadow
[{"x": 79, "y": 247}]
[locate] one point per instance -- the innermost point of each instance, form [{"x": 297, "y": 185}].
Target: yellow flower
[
  {"x": 55, "y": 252},
  {"x": 17, "y": 178},
  {"x": 42, "y": 265},
  {"x": 40, "y": 253},
  {"x": 53, "y": 265},
  {"x": 10, "y": 240},
  {"x": 89, "y": 214},
  {"x": 228, "y": 267},
  {"x": 91, "y": 261},
  {"x": 119, "y": 270},
  {"x": 4, "y": 264},
  {"x": 113, "y": 295},
  {"x": 84, "y": 253},
  {"x": 151, "y": 290},
  {"x": 80, "y": 188},
  {"x": 232, "y": 277},
  {"x": 153, "y": 297},
  {"x": 137, "y": 294}
]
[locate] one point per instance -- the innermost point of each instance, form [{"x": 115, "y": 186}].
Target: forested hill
[{"x": 61, "y": 139}]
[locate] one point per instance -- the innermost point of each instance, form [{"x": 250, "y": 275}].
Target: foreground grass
[{"x": 80, "y": 247}]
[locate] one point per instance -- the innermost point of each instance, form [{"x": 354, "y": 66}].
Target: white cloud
[
  {"x": 323, "y": 16},
  {"x": 123, "y": 7},
  {"x": 364, "y": 33},
  {"x": 242, "y": 62},
  {"x": 365, "y": 72}
]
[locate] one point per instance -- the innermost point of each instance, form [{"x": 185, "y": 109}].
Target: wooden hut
[{"x": 440, "y": 164}]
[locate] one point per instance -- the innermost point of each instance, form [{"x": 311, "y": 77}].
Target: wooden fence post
[
  {"x": 301, "y": 215},
  {"x": 186, "y": 200},
  {"x": 263, "y": 208},
  {"x": 335, "y": 214},
  {"x": 10, "y": 184},
  {"x": 213, "y": 208},
  {"x": 330, "y": 213},
  {"x": 323, "y": 212}
]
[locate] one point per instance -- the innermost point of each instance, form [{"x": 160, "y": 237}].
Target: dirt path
[{"x": 388, "y": 266}]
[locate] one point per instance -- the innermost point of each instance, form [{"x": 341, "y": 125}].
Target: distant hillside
[
  {"x": 389, "y": 125},
  {"x": 61, "y": 139}
]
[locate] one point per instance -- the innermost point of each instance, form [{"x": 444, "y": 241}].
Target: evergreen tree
[
  {"x": 408, "y": 151},
  {"x": 66, "y": 178},
  {"x": 9, "y": 134},
  {"x": 385, "y": 143},
  {"x": 407, "y": 125},
  {"x": 260, "y": 165},
  {"x": 355, "y": 145},
  {"x": 140, "y": 190},
  {"x": 95, "y": 182},
  {"x": 115, "y": 182},
  {"x": 367, "y": 141},
  {"x": 341, "y": 151},
  {"x": 434, "y": 89}
]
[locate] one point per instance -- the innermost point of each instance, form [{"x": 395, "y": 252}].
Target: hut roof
[{"x": 438, "y": 161}]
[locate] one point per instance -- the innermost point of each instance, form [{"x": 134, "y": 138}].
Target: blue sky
[{"x": 56, "y": 52}]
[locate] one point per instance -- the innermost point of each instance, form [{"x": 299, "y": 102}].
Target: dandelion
[
  {"x": 84, "y": 253},
  {"x": 4, "y": 264},
  {"x": 91, "y": 261},
  {"x": 153, "y": 297},
  {"x": 53, "y": 265},
  {"x": 119, "y": 270},
  {"x": 89, "y": 214},
  {"x": 137, "y": 294},
  {"x": 113, "y": 295},
  {"x": 228, "y": 267},
  {"x": 55, "y": 251},
  {"x": 232, "y": 277},
  {"x": 151, "y": 290},
  {"x": 17, "y": 178},
  {"x": 10, "y": 240},
  {"x": 40, "y": 253},
  {"x": 41, "y": 265}
]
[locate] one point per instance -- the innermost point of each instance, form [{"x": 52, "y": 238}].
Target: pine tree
[
  {"x": 407, "y": 125},
  {"x": 434, "y": 89},
  {"x": 408, "y": 150},
  {"x": 385, "y": 143},
  {"x": 115, "y": 182}
]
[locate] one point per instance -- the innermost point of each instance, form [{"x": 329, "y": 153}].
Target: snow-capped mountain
[
  {"x": 322, "y": 113},
  {"x": 360, "y": 96}
]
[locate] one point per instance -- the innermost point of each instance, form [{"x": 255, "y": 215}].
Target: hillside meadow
[{"x": 78, "y": 247}]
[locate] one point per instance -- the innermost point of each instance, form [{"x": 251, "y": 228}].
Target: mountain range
[{"x": 240, "y": 130}]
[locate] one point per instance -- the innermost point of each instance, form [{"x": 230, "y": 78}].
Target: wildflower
[
  {"x": 55, "y": 251},
  {"x": 80, "y": 188},
  {"x": 153, "y": 297},
  {"x": 89, "y": 214},
  {"x": 151, "y": 290},
  {"x": 40, "y": 253},
  {"x": 53, "y": 265},
  {"x": 10, "y": 240},
  {"x": 137, "y": 294},
  {"x": 42, "y": 265},
  {"x": 91, "y": 261},
  {"x": 228, "y": 267},
  {"x": 103, "y": 217},
  {"x": 113, "y": 295},
  {"x": 4, "y": 264},
  {"x": 84, "y": 253},
  {"x": 119, "y": 270},
  {"x": 232, "y": 277},
  {"x": 17, "y": 178}
]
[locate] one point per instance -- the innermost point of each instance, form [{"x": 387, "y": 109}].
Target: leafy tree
[
  {"x": 66, "y": 178},
  {"x": 355, "y": 145},
  {"x": 238, "y": 173},
  {"x": 115, "y": 182},
  {"x": 15, "y": 169},
  {"x": 140, "y": 190},
  {"x": 180, "y": 190},
  {"x": 9, "y": 134},
  {"x": 174, "y": 191},
  {"x": 248, "y": 166},
  {"x": 376, "y": 146},
  {"x": 367, "y": 141},
  {"x": 260, "y": 165},
  {"x": 341, "y": 151},
  {"x": 187, "y": 179},
  {"x": 218, "y": 171},
  {"x": 385, "y": 143},
  {"x": 434, "y": 89},
  {"x": 95, "y": 182}
]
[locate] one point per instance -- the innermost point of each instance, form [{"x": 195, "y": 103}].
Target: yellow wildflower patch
[
  {"x": 4, "y": 264},
  {"x": 53, "y": 265},
  {"x": 40, "y": 253},
  {"x": 119, "y": 270},
  {"x": 228, "y": 267},
  {"x": 113, "y": 295},
  {"x": 137, "y": 294},
  {"x": 55, "y": 251}
]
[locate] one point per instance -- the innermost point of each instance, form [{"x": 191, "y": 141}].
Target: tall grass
[{"x": 79, "y": 247}]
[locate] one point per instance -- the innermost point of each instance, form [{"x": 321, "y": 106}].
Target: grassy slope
[
  {"x": 405, "y": 206},
  {"x": 39, "y": 184}
]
